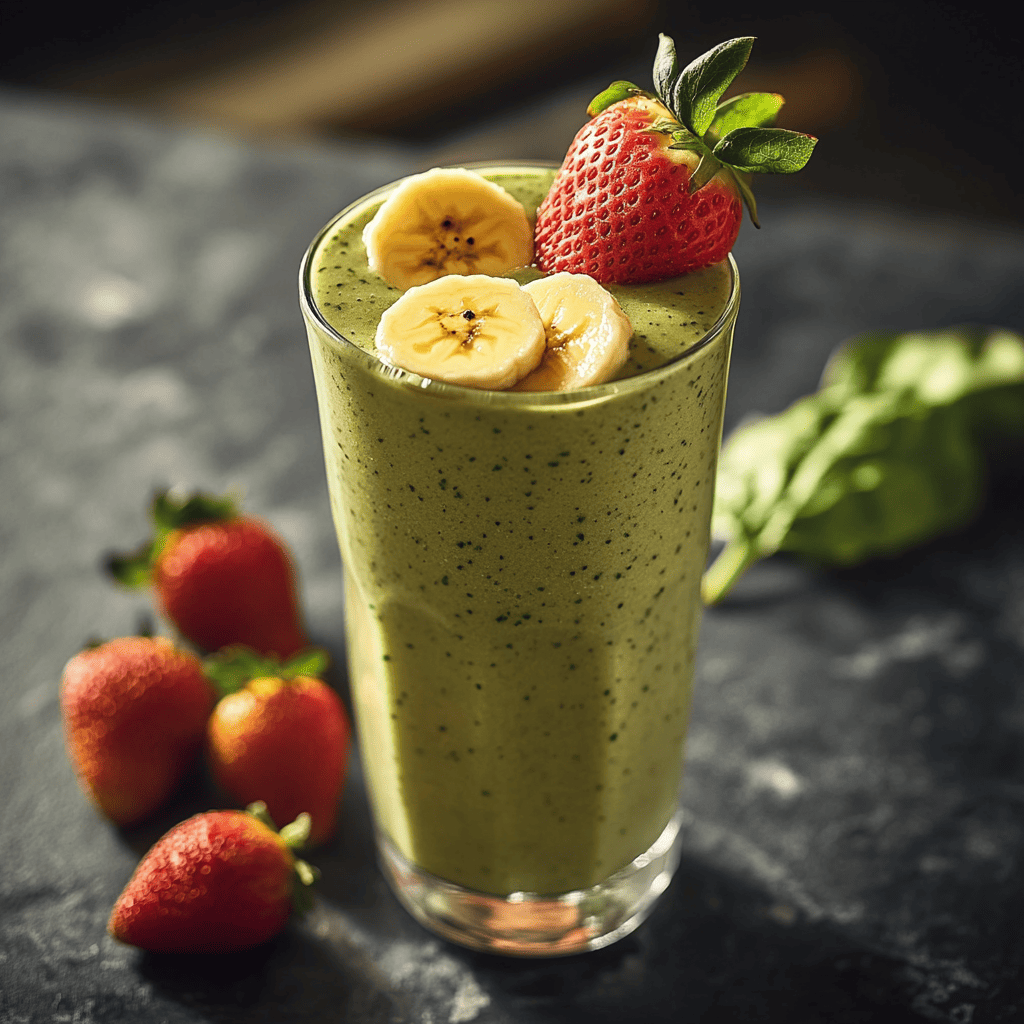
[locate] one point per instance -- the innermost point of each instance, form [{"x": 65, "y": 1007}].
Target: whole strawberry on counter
[
  {"x": 221, "y": 577},
  {"x": 218, "y": 882},
  {"x": 134, "y": 712},
  {"x": 279, "y": 734},
  {"x": 654, "y": 185}
]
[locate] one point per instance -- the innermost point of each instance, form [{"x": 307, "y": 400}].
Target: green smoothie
[{"x": 522, "y": 577}]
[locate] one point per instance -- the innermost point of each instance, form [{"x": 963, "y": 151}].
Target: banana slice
[
  {"x": 587, "y": 333},
  {"x": 447, "y": 221},
  {"x": 478, "y": 331}
]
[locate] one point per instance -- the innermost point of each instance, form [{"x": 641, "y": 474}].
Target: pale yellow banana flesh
[
  {"x": 473, "y": 330},
  {"x": 587, "y": 334},
  {"x": 447, "y": 221}
]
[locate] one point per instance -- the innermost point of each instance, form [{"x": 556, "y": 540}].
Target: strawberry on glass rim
[{"x": 653, "y": 186}]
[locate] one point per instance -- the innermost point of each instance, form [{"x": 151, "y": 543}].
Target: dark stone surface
[{"x": 855, "y": 790}]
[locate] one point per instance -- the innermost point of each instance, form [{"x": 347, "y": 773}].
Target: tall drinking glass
[{"x": 522, "y": 606}]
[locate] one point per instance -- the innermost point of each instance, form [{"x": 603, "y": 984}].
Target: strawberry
[
  {"x": 218, "y": 882},
  {"x": 221, "y": 577},
  {"x": 653, "y": 186},
  {"x": 280, "y": 735},
  {"x": 134, "y": 712}
]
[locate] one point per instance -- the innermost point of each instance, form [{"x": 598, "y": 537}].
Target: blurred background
[{"x": 912, "y": 101}]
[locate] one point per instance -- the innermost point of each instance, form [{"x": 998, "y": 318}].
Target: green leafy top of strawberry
[
  {"x": 231, "y": 668},
  {"x": 295, "y": 835},
  {"x": 734, "y": 137},
  {"x": 168, "y": 514}
]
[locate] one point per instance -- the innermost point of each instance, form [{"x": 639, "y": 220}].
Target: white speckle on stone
[
  {"x": 156, "y": 391},
  {"x": 111, "y": 300},
  {"x": 729, "y": 850},
  {"x": 469, "y": 1000},
  {"x": 428, "y": 968},
  {"x": 920, "y": 638},
  {"x": 701, "y": 744},
  {"x": 774, "y": 776},
  {"x": 933, "y": 864},
  {"x": 983, "y": 847},
  {"x": 198, "y": 163},
  {"x": 714, "y": 670}
]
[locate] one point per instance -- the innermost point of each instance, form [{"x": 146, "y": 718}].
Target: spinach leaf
[{"x": 888, "y": 454}]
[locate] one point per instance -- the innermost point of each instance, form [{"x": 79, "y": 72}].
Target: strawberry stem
[
  {"x": 258, "y": 809},
  {"x": 294, "y": 835}
]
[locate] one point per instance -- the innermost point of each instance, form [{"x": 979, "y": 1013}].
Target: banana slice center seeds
[
  {"x": 483, "y": 332},
  {"x": 447, "y": 221},
  {"x": 466, "y": 327}
]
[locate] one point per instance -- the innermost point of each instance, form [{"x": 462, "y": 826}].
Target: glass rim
[{"x": 583, "y": 396}]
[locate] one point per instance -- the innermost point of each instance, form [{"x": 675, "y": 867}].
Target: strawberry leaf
[
  {"x": 232, "y": 667},
  {"x": 134, "y": 569},
  {"x": 700, "y": 86},
  {"x": 765, "y": 150},
  {"x": 748, "y": 110},
  {"x": 666, "y": 68},
  {"x": 312, "y": 662},
  {"x": 613, "y": 94},
  {"x": 171, "y": 513}
]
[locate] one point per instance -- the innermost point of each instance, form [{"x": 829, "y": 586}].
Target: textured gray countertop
[{"x": 855, "y": 789}]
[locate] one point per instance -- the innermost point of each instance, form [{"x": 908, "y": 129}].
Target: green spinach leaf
[{"x": 888, "y": 454}]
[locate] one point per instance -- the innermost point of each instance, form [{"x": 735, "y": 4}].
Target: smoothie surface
[{"x": 668, "y": 317}]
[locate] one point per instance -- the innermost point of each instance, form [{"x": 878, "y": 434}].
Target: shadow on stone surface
[
  {"x": 716, "y": 948},
  {"x": 294, "y": 977}
]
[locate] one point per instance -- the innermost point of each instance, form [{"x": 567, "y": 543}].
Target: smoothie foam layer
[{"x": 522, "y": 581}]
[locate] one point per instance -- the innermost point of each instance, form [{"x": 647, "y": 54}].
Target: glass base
[{"x": 527, "y": 924}]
